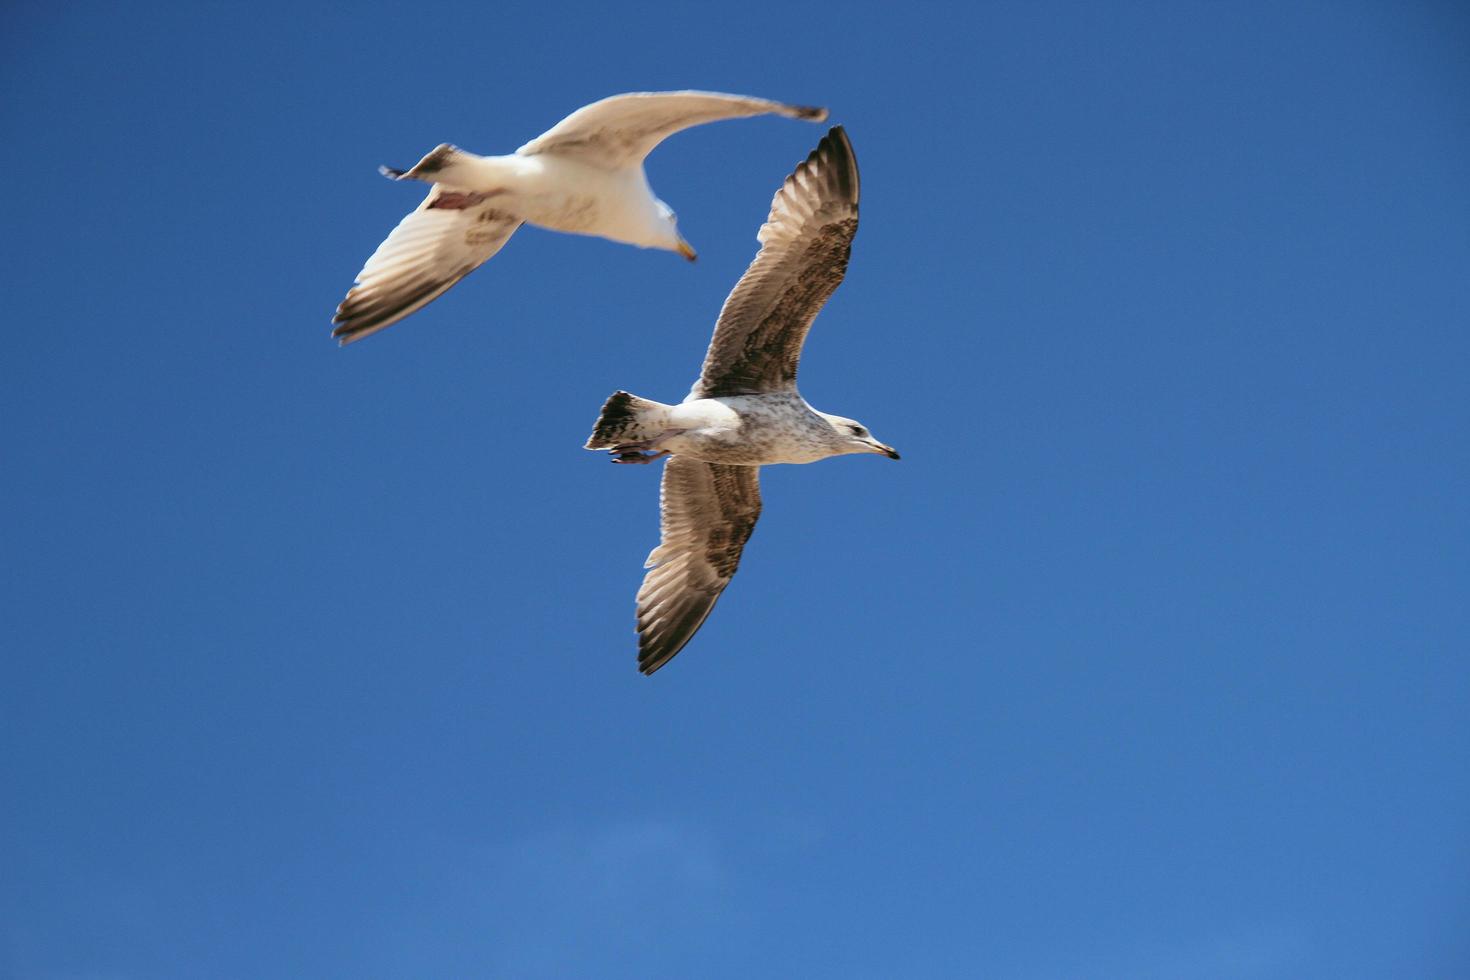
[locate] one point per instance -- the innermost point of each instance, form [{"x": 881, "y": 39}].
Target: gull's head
[
  {"x": 668, "y": 231},
  {"x": 854, "y": 437}
]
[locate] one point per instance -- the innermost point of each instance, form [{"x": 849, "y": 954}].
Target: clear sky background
[{"x": 1149, "y": 660}]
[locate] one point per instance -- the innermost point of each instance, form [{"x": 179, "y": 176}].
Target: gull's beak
[
  {"x": 686, "y": 250},
  {"x": 888, "y": 451}
]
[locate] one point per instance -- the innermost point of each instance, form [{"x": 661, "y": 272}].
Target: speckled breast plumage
[{"x": 776, "y": 428}]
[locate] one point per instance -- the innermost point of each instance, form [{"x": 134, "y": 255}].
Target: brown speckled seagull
[
  {"x": 744, "y": 412},
  {"x": 584, "y": 175}
]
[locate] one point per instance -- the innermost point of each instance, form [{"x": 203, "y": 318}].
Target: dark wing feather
[
  {"x": 434, "y": 247},
  {"x": 805, "y": 244},
  {"x": 622, "y": 129},
  {"x": 708, "y": 512}
]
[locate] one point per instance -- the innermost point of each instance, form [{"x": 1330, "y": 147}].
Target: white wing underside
[
  {"x": 434, "y": 247},
  {"x": 621, "y": 130}
]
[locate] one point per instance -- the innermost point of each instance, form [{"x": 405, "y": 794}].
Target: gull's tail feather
[
  {"x": 431, "y": 168},
  {"x": 626, "y": 419}
]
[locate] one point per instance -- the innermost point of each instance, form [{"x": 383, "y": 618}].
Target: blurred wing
[
  {"x": 708, "y": 512},
  {"x": 433, "y": 248},
  {"x": 805, "y": 244},
  {"x": 621, "y": 130}
]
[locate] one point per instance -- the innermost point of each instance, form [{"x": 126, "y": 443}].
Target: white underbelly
[
  {"x": 564, "y": 195},
  {"x": 578, "y": 214}
]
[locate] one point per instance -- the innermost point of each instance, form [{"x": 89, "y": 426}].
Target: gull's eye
[{"x": 857, "y": 430}]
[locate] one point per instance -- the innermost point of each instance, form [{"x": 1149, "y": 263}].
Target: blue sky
[{"x": 1148, "y": 660}]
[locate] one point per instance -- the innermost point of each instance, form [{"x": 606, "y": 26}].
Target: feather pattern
[
  {"x": 805, "y": 244},
  {"x": 708, "y": 512}
]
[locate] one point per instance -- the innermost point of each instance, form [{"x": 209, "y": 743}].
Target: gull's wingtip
[
  {"x": 649, "y": 663},
  {"x": 811, "y": 113},
  {"x": 345, "y": 332}
]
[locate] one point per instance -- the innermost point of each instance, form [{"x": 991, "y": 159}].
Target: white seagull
[
  {"x": 744, "y": 411},
  {"x": 584, "y": 175}
]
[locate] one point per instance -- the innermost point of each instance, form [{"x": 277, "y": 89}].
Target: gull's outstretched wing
[
  {"x": 622, "y": 129},
  {"x": 433, "y": 248},
  {"x": 804, "y": 248},
  {"x": 708, "y": 511}
]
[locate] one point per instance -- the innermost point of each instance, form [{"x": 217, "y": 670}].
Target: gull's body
[
  {"x": 584, "y": 176},
  {"x": 560, "y": 193},
  {"x": 744, "y": 412},
  {"x": 747, "y": 430}
]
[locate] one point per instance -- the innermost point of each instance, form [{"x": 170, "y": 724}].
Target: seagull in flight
[
  {"x": 744, "y": 412},
  {"x": 584, "y": 176}
]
